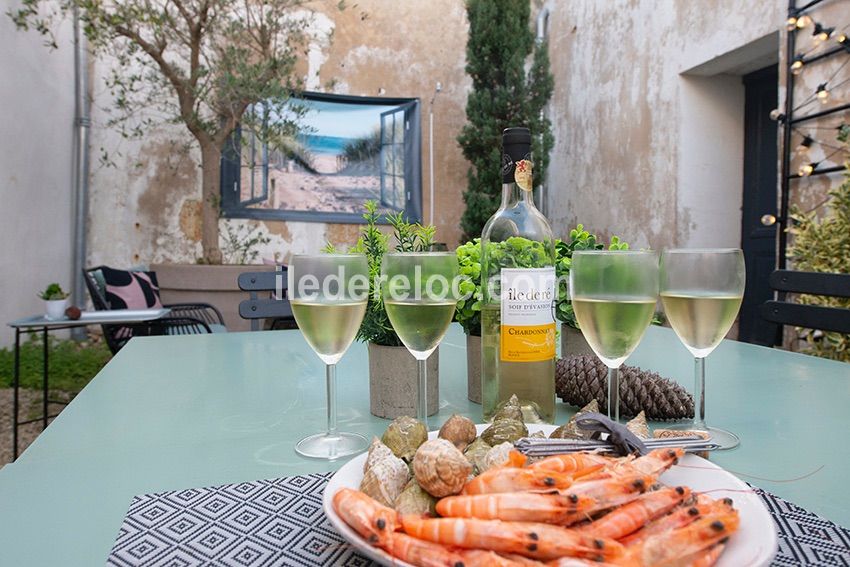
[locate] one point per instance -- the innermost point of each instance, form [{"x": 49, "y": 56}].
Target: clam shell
[
  {"x": 475, "y": 453},
  {"x": 377, "y": 452},
  {"x": 459, "y": 430},
  {"x": 404, "y": 435},
  {"x": 497, "y": 456},
  {"x": 385, "y": 479},
  {"x": 638, "y": 426},
  {"x": 440, "y": 468}
]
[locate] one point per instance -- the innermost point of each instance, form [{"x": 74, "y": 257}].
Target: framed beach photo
[{"x": 347, "y": 150}]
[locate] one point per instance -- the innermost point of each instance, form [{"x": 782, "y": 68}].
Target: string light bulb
[
  {"x": 777, "y": 115},
  {"x": 791, "y": 23},
  {"x": 805, "y": 144},
  {"x": 823, "y": 93},
  {"x": 803, "y": 21},
  {"x": 797, "y": 65},
  {"x": 807, "y": 169},
  {"x": 822, "y": 33}
]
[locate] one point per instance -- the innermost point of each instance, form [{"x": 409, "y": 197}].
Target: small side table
[{"x": 39, "y": 322}]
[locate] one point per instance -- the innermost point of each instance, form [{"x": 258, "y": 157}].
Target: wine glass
[
  {"x": 701, "y": 291},
  {"x": 419, "y": 297},
  {"x": 613, "y": 294},
  {"x": 328, "y": 295}
]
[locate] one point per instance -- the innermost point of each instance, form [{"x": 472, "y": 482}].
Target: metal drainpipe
[
  {"x": 542, "y": 30},
  {"x": 82, "y": 124}
]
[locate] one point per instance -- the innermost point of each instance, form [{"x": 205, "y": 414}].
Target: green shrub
[{"x": 823, "y": 245}]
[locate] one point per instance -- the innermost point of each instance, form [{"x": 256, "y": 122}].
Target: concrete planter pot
[
  {"x": 573, "y": 342},
  {"x": 54, "y": 309},
  {"x": 204, "y": 283},
  {"x": 393, "y": 381},
  {"x": 473, "y": 368}
]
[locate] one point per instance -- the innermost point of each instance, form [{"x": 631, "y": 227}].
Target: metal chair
[
  {"x": 183, "y": 319},
  {"x": 834, "y": 319},
  {"x": 275, "y": 306}
]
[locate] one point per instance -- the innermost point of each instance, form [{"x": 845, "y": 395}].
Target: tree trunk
[{"x": 210, "y": 201}]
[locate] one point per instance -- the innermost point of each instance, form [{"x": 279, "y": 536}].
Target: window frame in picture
[{"x": 232, "y": 205}]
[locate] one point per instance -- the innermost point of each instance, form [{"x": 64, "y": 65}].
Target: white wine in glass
[
  {"x": 420, "y": 326},
  {"x": 701, "y": 291},
  {"x": 613, "y": 294},
  {"x": 419, "y": 299},
  {"x": 329, "y": 327},
  {"x": 328, "y": 295}
]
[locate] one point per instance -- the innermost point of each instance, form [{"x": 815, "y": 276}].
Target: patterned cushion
[{"x": 131, "y": 290}]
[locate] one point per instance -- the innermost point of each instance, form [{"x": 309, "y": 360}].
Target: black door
[{"x": 758, "y": 233}]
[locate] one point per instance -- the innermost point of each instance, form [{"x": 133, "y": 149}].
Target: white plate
[{"x": 754, "y": 544}]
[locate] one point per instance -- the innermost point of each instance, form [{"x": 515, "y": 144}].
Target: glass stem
[
  {"x": 699, "y": 394},
  {"x": 614, "y": 393},
  {"x": 422, "y": 411},
  {"x": 330, "y": 371}
]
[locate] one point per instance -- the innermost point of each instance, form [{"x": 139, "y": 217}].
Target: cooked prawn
[
  {"x": 420, "y": 552},
  {"x": 672, "y": 548},
  {"x": 653, "y": 463},
  {"x": 372, "y": 520},
  {"x": 575, "y": 464},
  {"x": 680, "y": 517},
  {"x": 550, "y": 508},
  {"x": 531, "y": 539},
  {"x": 611, "y": 492},
  {"x": 631, "y": 517},
  {"x": 516, "y": 479}
]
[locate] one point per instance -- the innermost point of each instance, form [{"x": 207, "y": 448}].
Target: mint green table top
[{"x": 179, "y": 412}]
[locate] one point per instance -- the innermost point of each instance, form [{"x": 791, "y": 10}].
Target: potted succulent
[
  {"x": 55, "y": 302},
  {"x": 572, "y": 341},
  {"x": 468, "y": 313},
  {"x": 392, "y": 369}
]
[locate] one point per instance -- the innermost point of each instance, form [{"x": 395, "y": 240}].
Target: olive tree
[{"x": 201, "y": 63}]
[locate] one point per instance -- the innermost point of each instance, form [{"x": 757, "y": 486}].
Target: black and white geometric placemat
[{"x": 280, "y": 522}]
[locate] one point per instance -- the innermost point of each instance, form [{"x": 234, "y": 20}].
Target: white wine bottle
[{"x": 518, "y": 285}]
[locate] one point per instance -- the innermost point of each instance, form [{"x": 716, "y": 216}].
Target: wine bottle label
[
  {"x": 523, "y": 175},
  {"x": 527, "y": 321}
]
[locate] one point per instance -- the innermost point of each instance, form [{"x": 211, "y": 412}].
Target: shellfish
[
  {"x": 404, "y": 436},
  {"x": 385, "y": 479},
  {"x": 440, "y": 468},
  {"x": 459, "y": 430}
]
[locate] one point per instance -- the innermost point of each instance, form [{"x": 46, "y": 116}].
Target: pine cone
[{"x": 581, "y": 378}]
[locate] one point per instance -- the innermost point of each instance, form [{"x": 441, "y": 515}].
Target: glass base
[
  {"x": 330, "y": 447},
  {"x": 726, "y": 439}
]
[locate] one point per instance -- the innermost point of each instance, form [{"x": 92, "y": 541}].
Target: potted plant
[
  {"x": 468, "y": 313},
  {"x": 572, "y": 341},
  {"x": 392, "y": 369},
  {"x": 55, "y": 302}
]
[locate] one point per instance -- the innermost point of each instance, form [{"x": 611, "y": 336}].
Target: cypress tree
[{"x": 506, "y": 91}]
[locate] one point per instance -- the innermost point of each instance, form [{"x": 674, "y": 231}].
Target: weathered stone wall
[{"x": 145, "y": 208}]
